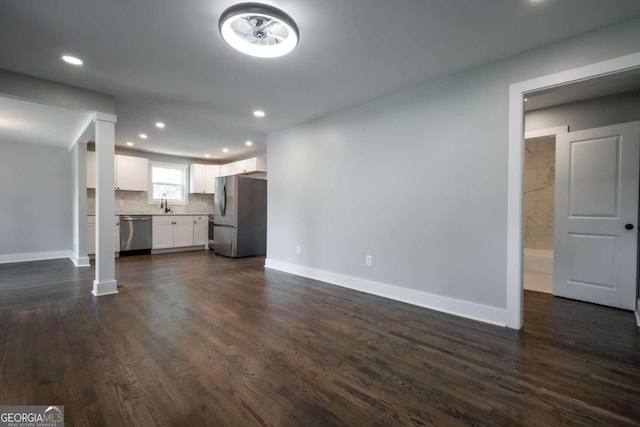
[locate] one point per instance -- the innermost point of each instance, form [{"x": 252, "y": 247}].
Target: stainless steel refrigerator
[{"x": 240, "y": 216}]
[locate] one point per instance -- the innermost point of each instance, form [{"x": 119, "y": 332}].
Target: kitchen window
[{"x": 169, "y": 179}]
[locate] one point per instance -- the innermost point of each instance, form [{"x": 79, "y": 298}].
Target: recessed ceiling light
[
  {"x": 72, "y": 60},
  {"x": 248, "y": 143},
  {"x": 259, "y": 30},
  {"x": 130, "y": 144},
  {"x": 526, "y": 99},
  {"x": 160, "y": 125},
  {"x": 207, "y": 156},
  {"x": 225, "y": 150},
  {"x": 259, "y": 113},
  {"x": 143, "y": 135}
]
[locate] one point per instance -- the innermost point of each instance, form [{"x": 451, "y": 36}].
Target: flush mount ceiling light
[
  {"x": 160, "y": 125},
  {"x": 248, "y": 143},
  {"x": 143, "y": 136},
  {"x": 258, "y": 30},
  {"x": 72, "y": 60},
  {"x": 259, "y": 113}
]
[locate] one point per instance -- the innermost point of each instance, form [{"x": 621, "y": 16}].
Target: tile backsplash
[
  {"x": 135, "y": 202},
  {"x": 539, "y": 193}
]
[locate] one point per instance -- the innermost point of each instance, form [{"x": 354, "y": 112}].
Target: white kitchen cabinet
[
  {"x": 251, "y": 165},
  {"x": 228, "y": 169},
  {"x": 183, "y": 232},
  {"x": 132, "y": 173},
  {"x": 197, "y": 178},
  {"x": 162, "y": 232},
  {"x": 200, "y": 230},
  {"x": 202, "y": 178},
  {"x": 91, "y": 169},
  {"x": 172, "y": 231},
  {"x": 211, "y": 173},
  {"x": 91, "y": 234},
  {"x": 117, "y": 239}
]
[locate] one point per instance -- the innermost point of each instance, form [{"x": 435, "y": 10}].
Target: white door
[
  {"x": 183, "y": 231},
  {"x": 596, "y": 201},
  {"x": 132, "y": 173},
  {"x": 162, "y": 232}
]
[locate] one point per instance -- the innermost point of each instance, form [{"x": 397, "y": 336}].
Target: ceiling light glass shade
[
  {"x": 259, "y": 30},
  {"x": 72, "y": 60}
]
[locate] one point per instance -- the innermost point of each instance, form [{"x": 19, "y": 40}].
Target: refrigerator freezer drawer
[{"x": 225, "y": 242}]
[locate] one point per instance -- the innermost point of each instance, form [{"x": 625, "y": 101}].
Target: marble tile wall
[
  {"x": 135, "y": 202},
  {"x": 539, "y": 188}
]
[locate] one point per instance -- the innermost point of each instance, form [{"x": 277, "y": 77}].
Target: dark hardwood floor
[{"x": 195, "y": 339}]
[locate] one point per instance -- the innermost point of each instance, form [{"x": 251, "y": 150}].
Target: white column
[
  {"x": 105, "y": 282},
  {"x": 79, "y": 158}
]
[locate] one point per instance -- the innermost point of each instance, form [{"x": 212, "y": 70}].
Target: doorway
[
  {"x": 538, "y": 220},
  {"x": 517, "y": 93}
]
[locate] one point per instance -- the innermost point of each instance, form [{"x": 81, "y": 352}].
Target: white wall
[
  {"x": 603, "y": 111},
  {"x": 35, "y": 201},
  {"x": 417, "y": 179}
]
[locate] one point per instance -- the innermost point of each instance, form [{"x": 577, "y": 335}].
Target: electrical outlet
[
  {"x": 368, "y": 260},
  {"x": 298, "y": 250}
]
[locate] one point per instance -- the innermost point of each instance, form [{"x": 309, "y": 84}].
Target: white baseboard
[
  {"x": 109, "y": 287},
  {"x": 470, "y": 310},
  {"x": 34, "y": 256},
  {"x": 82, "y": 261}
]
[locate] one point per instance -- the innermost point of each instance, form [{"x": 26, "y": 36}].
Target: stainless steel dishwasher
[{"x": 135, "y": 234}]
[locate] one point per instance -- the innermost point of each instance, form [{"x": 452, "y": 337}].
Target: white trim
[
  {"x": 82, "y": 261},
  {"x": 34, "y": 256},
  {"x": 185, "y": 182},
  {"x": 517, "y": 91},
  {"x": 84, "y": 132},
  {"x": 105, "y": 288},
  {"x": 543, "y": 133},
  {"x": 105, "y": 117},
  {"x": 638, "y": 312},
  {"x": 482, "y": 313}
]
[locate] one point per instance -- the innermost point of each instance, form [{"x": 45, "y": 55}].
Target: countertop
[{"x": 159, "y": 214}]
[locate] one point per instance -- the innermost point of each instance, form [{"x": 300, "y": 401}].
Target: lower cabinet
[
  {"x": 200, "y": 230},
  {"x": 91, "y": 234},
  {"x": 172, "y": 231}
]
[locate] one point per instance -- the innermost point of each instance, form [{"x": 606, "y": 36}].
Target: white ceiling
[
  {"x": 164, "y": 59},
  {"x": 31, "y": 123}
]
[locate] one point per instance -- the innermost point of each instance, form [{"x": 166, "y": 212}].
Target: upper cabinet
[
  {"x": 131, "y": 173},
  {"x": 254, "y": 164},
  {"x": 202, "y": 178}
]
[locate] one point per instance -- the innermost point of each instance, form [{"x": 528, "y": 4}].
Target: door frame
[{"x": 517, "y": 93}]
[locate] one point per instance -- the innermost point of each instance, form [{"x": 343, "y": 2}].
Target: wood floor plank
[{"x": 196, "y": 339}]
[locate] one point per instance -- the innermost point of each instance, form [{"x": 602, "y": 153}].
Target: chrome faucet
[{"x": 164, "y": 203}]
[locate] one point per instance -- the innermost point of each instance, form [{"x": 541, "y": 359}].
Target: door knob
[{"x": 628, "y": 227}]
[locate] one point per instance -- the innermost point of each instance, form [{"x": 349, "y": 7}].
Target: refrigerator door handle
[{"x": 224, "y": 199}]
